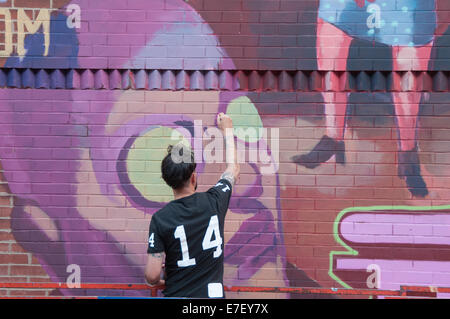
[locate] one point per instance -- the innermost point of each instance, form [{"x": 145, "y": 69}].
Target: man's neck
[{"x": 183, "y": 193}]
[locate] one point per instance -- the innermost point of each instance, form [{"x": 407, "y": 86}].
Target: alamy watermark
[
  {"x": 374, "y": 20},
  {"x": 373, "y": 281},
  {"x": 253, "y": 145},
  {"x": 74, "y": 279},
  {"x": 74, "y": 19}
]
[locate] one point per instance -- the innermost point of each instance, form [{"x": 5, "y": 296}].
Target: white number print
[
  {"x": 151, "y": 240},
  {"x": 225, "y": 189},
  {"x": 212, "y": 230},
  {"x": 185, "y": 261}
]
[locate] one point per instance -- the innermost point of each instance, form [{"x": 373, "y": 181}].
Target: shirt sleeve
[
  {"x": 155, "y": 243},
  {"x": 221, "y": 194}
]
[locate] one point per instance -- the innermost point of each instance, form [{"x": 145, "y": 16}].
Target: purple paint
[{"x": 74, "y": 144}]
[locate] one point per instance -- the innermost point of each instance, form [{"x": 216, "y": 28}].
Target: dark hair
[{"x": 177, "y": 166}]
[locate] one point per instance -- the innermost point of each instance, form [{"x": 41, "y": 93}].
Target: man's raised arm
[{"x": 231, "y": 173}]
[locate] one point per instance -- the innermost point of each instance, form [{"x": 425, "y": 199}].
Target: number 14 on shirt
[{"x": 208, "y": 243}]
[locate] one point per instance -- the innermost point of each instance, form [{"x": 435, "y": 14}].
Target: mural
[
  {"x": 409, "y": 28},
  {"x": 94, "y": 92},
  {"x": 402, "y": 245},
  {"x": 102, "y": 153}
]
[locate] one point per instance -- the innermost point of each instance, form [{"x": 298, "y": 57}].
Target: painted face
[{"x": 86, "y": 168}]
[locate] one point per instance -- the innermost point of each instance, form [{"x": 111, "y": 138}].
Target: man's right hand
[{"x": 224, "y": 122}]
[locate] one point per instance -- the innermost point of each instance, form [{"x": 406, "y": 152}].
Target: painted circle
[
  {"x": 144, "y": 162},
  {"x": 246, "y": 120}
]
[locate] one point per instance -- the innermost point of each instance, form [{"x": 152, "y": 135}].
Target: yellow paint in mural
[
  {"x": 144, "y": 162},
  {"x": 23, "y": 21},
  {"x": 8, "y": 33},
  {"x": 246, "y": 120}
]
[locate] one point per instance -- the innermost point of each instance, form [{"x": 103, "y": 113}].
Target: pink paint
[
  {"x": 397, "y": 228},
  {"x": 395, "y": 273}
]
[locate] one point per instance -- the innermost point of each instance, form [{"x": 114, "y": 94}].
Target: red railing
[{"x": 403, "y": 292}]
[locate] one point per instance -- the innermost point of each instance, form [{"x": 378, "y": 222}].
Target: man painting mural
[
  {"x": 81, "y": 169},
  {"x": 187, "y": 234},
  {"x": 79, "y": 153},
  {"x": 409, "y": 27}
]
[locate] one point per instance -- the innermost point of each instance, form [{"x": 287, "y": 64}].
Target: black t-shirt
[{"x": 190, "y": 231}]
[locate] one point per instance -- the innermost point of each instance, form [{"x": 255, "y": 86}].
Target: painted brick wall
[{"x": 350, "y": 187}]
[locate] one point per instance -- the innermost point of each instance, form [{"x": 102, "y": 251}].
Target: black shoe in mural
[
  {"x": 409, "y": 170},
  {"x": 322, "y": 152}
]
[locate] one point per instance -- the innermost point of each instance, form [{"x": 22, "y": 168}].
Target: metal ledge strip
[{"x": 239, "y": 80}]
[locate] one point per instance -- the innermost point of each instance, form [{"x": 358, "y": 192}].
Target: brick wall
[
  {"x": 17, "y": 264},
  {"x": 356, "y": 196}
]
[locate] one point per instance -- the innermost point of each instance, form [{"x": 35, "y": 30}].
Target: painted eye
[
  {"x": 144, "y": 162},
  {"x": 246, "y": 120}
]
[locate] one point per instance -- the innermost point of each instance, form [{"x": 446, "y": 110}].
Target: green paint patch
[
  {"x": 246, "y": 120},
  {"x": 144, "y": 162}
]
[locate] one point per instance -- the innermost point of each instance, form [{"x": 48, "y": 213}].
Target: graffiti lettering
[{"x": 25, "y": 26}]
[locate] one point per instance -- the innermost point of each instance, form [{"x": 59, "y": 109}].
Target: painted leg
[
  {"x": 407, "y": 111},
  {"x": 332, "y": 53},
  {"x": 408, "y": 158}
]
